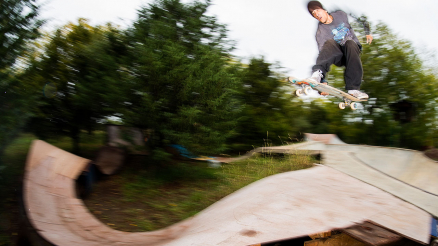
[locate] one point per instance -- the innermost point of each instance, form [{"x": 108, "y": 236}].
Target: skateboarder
[{"x": 338, "y": 45}]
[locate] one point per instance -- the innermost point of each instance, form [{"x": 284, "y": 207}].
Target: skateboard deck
[{"x": 307, "y": 85}]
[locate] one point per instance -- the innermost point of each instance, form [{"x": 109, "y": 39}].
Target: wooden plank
[
  {"x": 86, "y": 233},
  {"x": 41, "y": 173},
  {"x": 65, "y": 163},
  {"x": 321, "y": 235},
  {"x": 335, "y": 240},
  {"x": 61, "y": 235},
  {"x": 63, "y": 186},
  {"x": 372, "y": 234},
  {"x": 64, "y": 211},
  {"x": 41, "y": 206},
  {"x": 38, "y": 151},
  {"x": 68, "y": 164}
]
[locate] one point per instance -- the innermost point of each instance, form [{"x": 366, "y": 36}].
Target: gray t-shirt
[{"x": 339, "y": 30}]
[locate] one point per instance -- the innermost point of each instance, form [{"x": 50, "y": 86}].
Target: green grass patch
[
  {"x": 146, "y": 199},
  {"x": 239, "y": 174}
]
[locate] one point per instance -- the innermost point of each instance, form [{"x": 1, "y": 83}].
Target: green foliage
[
  {"x": 183, "y": 83},
  {"x": 19, "y": 24},
  {"x": 319, "y": 116},
  {"x": 82, "y": 64},
  {"x": 397, "y": 74},
  {"x": 393, "y": 72},
  {"x": 268, "y": 108}
]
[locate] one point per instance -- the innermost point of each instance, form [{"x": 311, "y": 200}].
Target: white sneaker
[
  {"x": 316, "y": 76},
  {"x": 358, "y": 94}
]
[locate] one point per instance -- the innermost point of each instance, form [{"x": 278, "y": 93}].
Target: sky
[{"x": 280, "y": 30}]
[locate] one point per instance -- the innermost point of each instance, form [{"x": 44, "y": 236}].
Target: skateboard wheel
[
  {"x": 342, "y": 105},
  {"x": 299, "y": 92},
  {"x": 307, "y": 90},
  {"x": 353, "y": 105},
  {"x": 291, "y": 80}
]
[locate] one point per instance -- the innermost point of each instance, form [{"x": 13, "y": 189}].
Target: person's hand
[{"x": 369, "y": 39}]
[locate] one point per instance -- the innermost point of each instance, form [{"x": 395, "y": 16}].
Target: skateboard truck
[{"x": 347, "y": 103}]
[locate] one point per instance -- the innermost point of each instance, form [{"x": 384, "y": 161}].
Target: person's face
[{"x": 320, "y": 15}]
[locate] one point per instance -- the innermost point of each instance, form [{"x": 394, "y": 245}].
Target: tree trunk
[{"x": 75, "y": 141}]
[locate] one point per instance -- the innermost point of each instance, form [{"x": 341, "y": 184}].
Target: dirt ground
[
  {"x": 121, "y": 204},
  {"x": 432, "y": 153}
]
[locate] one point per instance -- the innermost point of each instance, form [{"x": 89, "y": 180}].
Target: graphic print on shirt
[{"x": 340, "y": 32}]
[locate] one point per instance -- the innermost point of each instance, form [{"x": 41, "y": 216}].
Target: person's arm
[{"x": 366, "y": 27}]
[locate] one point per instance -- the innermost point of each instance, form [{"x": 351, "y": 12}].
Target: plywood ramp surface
[
  {"x": 409, "y": 166},
  {"x": 406, "y": 174},
  {"x": 278, "y": 207}
]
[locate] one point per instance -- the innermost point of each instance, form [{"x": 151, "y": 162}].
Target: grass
[
  {"x": 143, "y": 197},
  {"x": 240, "y": 174},
  {"x": 155, "y": 198}
]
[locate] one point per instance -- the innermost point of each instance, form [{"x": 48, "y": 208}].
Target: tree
[
  {"x": 268, "y": 111},
  {"x": 396, "y": 73},
  {"x": 82, "y": 64},
  {"x": 183, "y": 79},
  {"x": 393, "y": 73},
  {"x": 19, "y": 25}
]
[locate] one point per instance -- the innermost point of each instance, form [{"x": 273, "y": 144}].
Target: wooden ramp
[
  {"x": 61, "y": 218},
  {"x": 406, "y": 174},
  {"x": 282, "y": 206},
  {"x": 325, "y": 138}
]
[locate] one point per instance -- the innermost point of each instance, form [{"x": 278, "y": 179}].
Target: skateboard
[{"x": 307, "y": 86}]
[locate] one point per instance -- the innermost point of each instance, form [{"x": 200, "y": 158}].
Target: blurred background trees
[
  {"x": 82, "y": 81},
  {"x": 19, "y": 25},
  {"x": 270, "y": 115},
  {"x": 183, "y": 77},
  {"x": 401, "y": 111},
  {"x": 172, "y": 71}
]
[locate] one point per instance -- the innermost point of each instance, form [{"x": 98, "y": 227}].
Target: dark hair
[{"x": 312, "y": 5}]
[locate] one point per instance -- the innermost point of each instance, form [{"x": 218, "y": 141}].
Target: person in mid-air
[{"x": 338, "y": 45}]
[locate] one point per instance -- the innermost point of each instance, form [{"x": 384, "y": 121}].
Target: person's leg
[
  {"x": 331, "y": 53},
  {"x": 353, "y": 65}
]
